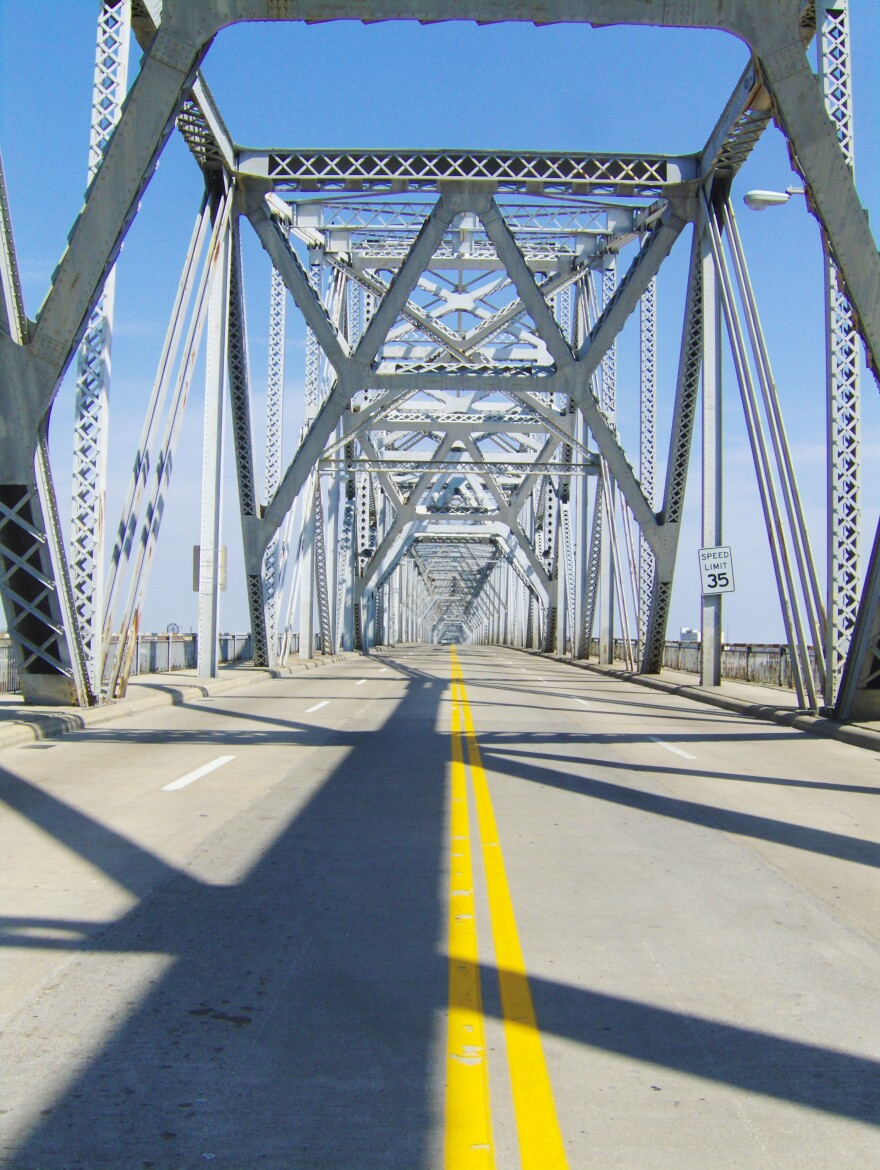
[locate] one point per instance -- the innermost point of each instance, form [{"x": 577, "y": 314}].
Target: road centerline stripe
[
  {"x": 190, "y": 777},
  {"x": 671, "y": 747},
  {"x": 318, "y": 706},
  {"x": 468, "y": 1127},
  {"x": 540, "y": 1139}
]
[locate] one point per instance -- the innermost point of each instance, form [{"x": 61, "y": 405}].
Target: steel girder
[
  {"x": 647, "y": 442},
  {"x": 844, "y": 456},
  {"x": 274, "y": 421},
  {"x": 677, "y": 463}
]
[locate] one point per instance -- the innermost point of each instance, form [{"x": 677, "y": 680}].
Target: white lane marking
[
  {"x": 425, "y": 685},
  {"x": 382, "y": 669},
  {"x": 584, "y": 701},
  {"x": 671, "y": 748},
  {"x": 317, "y": 706},
  {"x": 360, "y": 682},
  {"x": 197, "y": 774}
]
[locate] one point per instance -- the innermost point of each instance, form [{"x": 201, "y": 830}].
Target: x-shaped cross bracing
[{"x": 353, "y": 368}]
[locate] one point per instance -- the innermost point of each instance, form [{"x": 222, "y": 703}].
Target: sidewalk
[
  {"x": 20, "y": 724},
  {"x": 774, "y": 704}
]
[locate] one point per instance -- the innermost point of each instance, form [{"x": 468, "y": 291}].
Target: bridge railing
[
  {"x": 765, "y": 663},
  {"x": 8, "y": 666},
  {"x": 156, "y": 654}
]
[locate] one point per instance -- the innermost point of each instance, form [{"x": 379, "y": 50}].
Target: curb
[
  {"x": 851, "y": 733},
  {"x": 37, "y": 726}
]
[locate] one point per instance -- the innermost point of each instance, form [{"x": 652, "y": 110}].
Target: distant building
[{"x": 688, "y": 634}]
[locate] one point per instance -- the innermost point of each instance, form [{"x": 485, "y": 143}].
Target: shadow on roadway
[
  {"x": 503, "y": 759},
  {"x": 301, "y": 1021},
  {"x": 296, "y": 1024}
]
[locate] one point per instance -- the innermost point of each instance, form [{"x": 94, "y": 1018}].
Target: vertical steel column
[
  {"x": 240, "y": 413},
  {"x": 504, "y": 592},
  {"x": 345, "y": 575},
  {"x": 710, "y": 647},
  {"x": 307, "y": 571},
  {"x": 345, "y": 553},
  {"x": 293, "y": 563},
  {"x": 274, "y": 431},
  {"x": 321, "y": 570},
  {"x": 409, "y": 601},
  {"x": 361, "y": 555},
  {"x": 843, "y": 391},
  {"x": 687, "y": 391},
  {"x": 579, "y": 498},
  {"x": 567, "y": 634},
  {"x": 333, "y": 523},
  {"x": 551, "y": 555},
  {"x": 307, "y": 545},
  {"x": 392, "y": 619},
  {"x": 647, "y": 443},
  {"x": 212, "y": 467},
  {"x": 91, "y": 413},
  {"x": 608, "y": 403},
  {"x": 591, "y": 599}
]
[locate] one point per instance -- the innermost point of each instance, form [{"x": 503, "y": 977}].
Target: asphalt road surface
[{"x": 431, "y": 909}]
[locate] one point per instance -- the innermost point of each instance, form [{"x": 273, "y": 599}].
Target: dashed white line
[
  {"x": 671, "y": 748},
  {"x": 197, "y": 774},
  {"x": 584, "y": 701},
  {"x": 317, "y": 706},
  {"x": 360, "y": 682},
  {"x": 382, "y": 669}
]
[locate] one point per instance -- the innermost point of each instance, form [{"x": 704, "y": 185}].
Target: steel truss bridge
[{"x": 459, "y": 476}]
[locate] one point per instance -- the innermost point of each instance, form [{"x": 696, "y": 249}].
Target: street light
[{"x": 761, "y": 200}]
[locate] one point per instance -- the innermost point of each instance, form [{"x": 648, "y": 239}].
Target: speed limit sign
[{"x": 716, "y": 569}]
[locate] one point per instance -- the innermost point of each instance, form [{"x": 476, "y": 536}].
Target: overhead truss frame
[{"x": 360, "y": 366}]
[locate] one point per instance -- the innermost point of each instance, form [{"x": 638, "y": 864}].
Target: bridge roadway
[{"x": 226, "y": 928}]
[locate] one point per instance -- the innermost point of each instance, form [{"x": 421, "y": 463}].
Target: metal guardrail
[
  {"x": 765, "y": 663},
  {"x": 8, "y": 667},
  {"x": 756, "y": 662},
  {"x": 156, "y": 654}
]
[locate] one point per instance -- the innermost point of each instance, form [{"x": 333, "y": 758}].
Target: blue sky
[{"x": 451, "y": 85}]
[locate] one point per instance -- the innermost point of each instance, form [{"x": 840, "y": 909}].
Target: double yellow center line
[{"x": 469, "y": 1144}]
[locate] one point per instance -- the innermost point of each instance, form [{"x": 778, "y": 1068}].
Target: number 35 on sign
[{"x": 716, "y": 569}]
